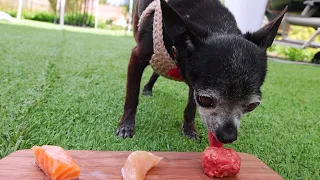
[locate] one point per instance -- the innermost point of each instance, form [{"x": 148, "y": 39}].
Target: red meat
[
  {"x": 214, "y": 141},
  {"x": 220, "y": 162}
]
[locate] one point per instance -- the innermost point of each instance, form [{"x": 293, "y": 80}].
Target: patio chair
[{"x": 305, "y": 19}]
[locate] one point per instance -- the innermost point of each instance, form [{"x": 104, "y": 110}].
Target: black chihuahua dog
[{"x": 223, "y": 68}]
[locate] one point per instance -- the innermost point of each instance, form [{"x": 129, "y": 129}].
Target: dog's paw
[
  {"x": 146, "y": 92},
  {"x": 125, "y": 131},
  {"x": 191, "y": 134}
]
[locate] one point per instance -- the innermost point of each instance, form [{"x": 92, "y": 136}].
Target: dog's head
[{"x": 225, "y": 70}]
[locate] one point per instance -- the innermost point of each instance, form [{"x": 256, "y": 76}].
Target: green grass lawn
[{"x": 67, "y": 88}]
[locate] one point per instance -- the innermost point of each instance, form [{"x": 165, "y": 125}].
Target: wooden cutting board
[{"x": 105, "y": 165}]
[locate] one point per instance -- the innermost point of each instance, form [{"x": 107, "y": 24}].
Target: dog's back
[
  {"x": 211, "y": 15},
  {"x": 206, "y": 16}
]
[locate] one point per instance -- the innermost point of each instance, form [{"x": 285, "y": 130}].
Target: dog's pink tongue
[{"x": 214, "y": 141}]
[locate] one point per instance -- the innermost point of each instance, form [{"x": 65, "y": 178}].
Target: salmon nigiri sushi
[
  {"x": 56, "y": 163},
  {"x": 138, "y": 164}
]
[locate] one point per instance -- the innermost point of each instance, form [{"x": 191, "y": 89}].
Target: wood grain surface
[{"x": 105, "y": 165}]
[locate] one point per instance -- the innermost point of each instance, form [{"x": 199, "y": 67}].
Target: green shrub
[
  {"x": 28, "y": 15},
  {"x": 43, "y": 16},
  {"x": 102, "y": 25},
  {"x": 36, "y": 16},
  {"x": 12, "y": 13},
  {"x": 109, "y": 21},
  {"x": 77, "y": 20},
  {"x": 69, "y": 19},
  {"x": 295, "y": 54},
  {"x": 302, "y": 33}
]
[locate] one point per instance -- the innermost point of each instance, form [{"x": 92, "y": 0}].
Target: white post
[
  {"x": 19, "y": 9},
  {"x": 62, "y": 8},
  {"x": 130, "y": 15},
  {"x": 248, "y": 13},
  {"x": 57, "y": 10},
  {"x": 96, "y": 14}
]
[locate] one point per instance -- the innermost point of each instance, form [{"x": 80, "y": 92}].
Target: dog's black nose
[{"x": 227, "y": 134}]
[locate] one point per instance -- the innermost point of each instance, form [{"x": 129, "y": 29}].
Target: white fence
[{"x": 60, "y": 9}]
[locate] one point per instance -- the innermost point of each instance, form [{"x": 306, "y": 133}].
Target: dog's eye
[
  {"x": 252, "y": 106},
  {"x": 206, "y": 101}
]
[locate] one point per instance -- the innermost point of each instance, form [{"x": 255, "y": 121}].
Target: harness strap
[
  {"x": 161, "y": 61},
  {"x": 158, "y": 43}
]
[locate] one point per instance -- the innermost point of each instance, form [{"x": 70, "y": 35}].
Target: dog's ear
[
  {"x": 174, "y": 25},
  {"x": 265, "y": 36}
]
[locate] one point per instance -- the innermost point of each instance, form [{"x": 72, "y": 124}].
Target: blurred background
[
  {"x": 116, "y": 15},
  {"x": 113, "y": 14}
]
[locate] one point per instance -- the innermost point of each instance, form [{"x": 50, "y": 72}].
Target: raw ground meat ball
[{"x": 220, "y": 162}]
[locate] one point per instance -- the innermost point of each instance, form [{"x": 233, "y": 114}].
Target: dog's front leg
[
  {"x": 136, "y": 67},
  {"x": 188, "y": 127}
]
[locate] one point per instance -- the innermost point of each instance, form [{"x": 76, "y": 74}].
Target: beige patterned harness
[{"x": 161, "y": 62}]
